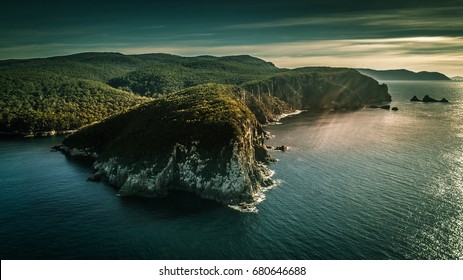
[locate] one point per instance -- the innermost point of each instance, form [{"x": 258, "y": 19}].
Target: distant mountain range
[
  {"x": 457, "y": 78},
  {"x": 403, "y": 75}
]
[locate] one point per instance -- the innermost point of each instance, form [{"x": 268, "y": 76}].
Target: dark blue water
[{"x": 371, "y": 184}]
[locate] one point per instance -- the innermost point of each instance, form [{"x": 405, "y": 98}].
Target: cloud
[
  {"x": 416, "y": 18},
  {"x": 439, "y": 53}
]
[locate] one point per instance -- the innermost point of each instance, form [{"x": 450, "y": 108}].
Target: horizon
[
  {"x": 200, "y": 55},
  {"x": 413, "y": 35}
]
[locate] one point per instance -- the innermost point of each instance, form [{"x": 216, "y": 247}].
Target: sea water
[{"x": 370, "y": 184}]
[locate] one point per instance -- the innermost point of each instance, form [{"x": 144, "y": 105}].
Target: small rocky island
[
  {"x": 427, "y": 98},
  {"x": 203, "y": 139}
]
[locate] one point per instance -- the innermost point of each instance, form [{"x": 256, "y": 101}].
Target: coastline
[
  {"x": 37, "y": 134},
  {"x": 285, "y": 115}
]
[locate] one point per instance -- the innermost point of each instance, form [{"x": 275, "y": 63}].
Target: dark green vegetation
[
  {"x": 403, "y": 75},
  {"x": 203, "y": 139},
  {"x": 68, "y": 92},
  {"x": 211, "y": 114},
  {"x": 36, "y": 102}
]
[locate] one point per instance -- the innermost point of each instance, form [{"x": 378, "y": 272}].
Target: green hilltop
[{"x": 210, "y": 114}]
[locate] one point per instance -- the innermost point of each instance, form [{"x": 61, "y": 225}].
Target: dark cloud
[{"x": 44, "y": 28}]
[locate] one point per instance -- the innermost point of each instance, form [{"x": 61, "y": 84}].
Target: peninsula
[{"x": 158, "y": 122}]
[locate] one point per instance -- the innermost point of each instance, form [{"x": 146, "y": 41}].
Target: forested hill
[
  {"x": 68, "y": 92},
  {"x": 403, "y": 75}
]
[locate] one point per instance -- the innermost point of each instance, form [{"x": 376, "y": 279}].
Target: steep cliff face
[
  {"x": 202, "y": 139},
  {"x": 318, "y": 88}
]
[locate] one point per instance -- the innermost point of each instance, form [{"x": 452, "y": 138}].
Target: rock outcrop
[
  {"x": 385, "y": 107},
  {"x": 202, "y": 139},
  {"x": 427, "y": 98}
]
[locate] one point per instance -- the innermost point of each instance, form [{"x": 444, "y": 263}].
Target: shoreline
[
  {"x": 285, "y": 115},
  {"x": 36, "y": 134}
]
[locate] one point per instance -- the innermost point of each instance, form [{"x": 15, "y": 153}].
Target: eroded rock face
[
  {"x": 319, "y": 88},
  {"x": 232, "y": 177},
  {"x": 221, "y": 158}
]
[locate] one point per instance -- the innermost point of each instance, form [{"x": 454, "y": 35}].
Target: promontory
[{"x": 157, "y": 122}]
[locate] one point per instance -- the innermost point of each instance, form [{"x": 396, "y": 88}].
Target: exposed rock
[
  {"x": 201, "y": 140},
  {"x": 373, "y": 106},
  {"x": 267, "y": 135},
  {"x": 319, "y": 88},
  {"x": 395, "y": 109},
  {"x": 262, "y": 154},
  {"x": 415, "y": 99},
  {"x": 277, "y": 148},
  {"x": 427, "y": 98},
  {"x": 385, "y": 107}
]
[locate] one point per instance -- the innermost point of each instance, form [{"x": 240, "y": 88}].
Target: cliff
[
  {"x": 316, "y": 88},
  {"x": 203, "y": 139}
]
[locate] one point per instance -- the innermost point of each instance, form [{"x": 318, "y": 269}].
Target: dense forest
[
  {"x": 35, "y": 101},
  {"x": 69, "y": 92}
]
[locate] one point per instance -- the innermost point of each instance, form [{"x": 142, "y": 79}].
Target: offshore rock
[
  {"x": 427, "y": 98},
  {"x": 386, "y": 107},
  {"x": 415, "y": 99},
  {"x": 201, "y": 139}
]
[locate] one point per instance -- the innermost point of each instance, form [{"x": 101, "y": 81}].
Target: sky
[{"x": 415, "y": 35}]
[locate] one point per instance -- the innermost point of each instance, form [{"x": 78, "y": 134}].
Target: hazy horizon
[{"x": 413, "y": 35}]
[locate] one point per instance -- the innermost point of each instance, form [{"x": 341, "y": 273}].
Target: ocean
[{"x": 369, "y": 184}]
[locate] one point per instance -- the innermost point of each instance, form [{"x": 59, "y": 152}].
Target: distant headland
[{"x": 403, "y": 75}]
